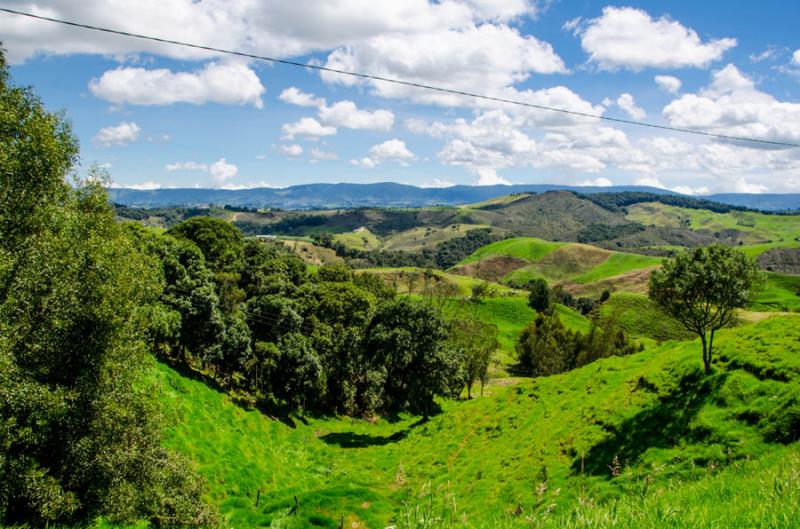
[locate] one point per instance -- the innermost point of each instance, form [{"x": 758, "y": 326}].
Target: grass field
[
  {"x": 529, "y": 248},
  {"x": 763, "y": 231},
  {"x": 692, "y": 451},
  {"x": 559, "y": 263},
  {"x": 362, "y": 239},
  {"x": 642, "y": 318},
  {"x": 781, "y": 293}
]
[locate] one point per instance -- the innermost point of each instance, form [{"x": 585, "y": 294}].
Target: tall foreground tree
[
  {"x": 80, "y": 433},
  {"x": 702, "y": 289}
]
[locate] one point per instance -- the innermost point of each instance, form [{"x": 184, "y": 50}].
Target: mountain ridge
[{"x": 391, "y": 194}]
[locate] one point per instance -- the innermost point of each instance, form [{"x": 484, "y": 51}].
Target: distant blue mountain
[{"x": 388, "y": 194}]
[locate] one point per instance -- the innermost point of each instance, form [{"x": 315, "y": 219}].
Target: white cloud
[
  {"x": 597, "y": 182},
  {"x": 347, "y": 115},
  {"x": 144, "y": 186},
  {"x": 186, "y": 166},
  {"x": 796, "y": 57},
  {"x": 367, "y": 163},
  {"x": 732, "y": 105},
  {"x": 229, "y": 83},
  {"x": 650, "y": 181},
  {"x": 221, "y": 171},
  {"x": 122, "y": 134},
  {"x": 437, "y": 182},
  {"x": 319, "y": 154},
  {"x": 626, "y": 37},
  {"x": 393, "y": 149},
  {"x": 342, "y": 114},
  {"x": 668, "y": 83},
  {"x": 291, "y": 150},
  {"x": 769, "y": 53},
  {"x": 295, "y": 96},
  {"x": 308, "y": 128},
  {"x": 627, "y": 103},
  {"x": 493, "y": 57},
  {"x": 250, "y": 185}
]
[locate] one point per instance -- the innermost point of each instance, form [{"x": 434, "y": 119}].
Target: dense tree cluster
[
  {"x": 445, "y": 255},
  {"x": 546, "y": 347},
  {"x": 618, "y": 201},
  {"x": 80, "y": 431},
  {"x": 597, "y": 232},
  {"x": 251, "y": 315}
]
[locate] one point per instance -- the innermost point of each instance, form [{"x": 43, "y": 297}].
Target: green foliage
[
  {"x": 220, "y": 242},
  {"x": 547, "y": 347},
  {"x": 596, "y": 232},
  {"x": 702, "y": 289},
  {"x": 81, "y": 435},
  {"x": 539, "y": 298},
  {"x": 405, "y": 342}
]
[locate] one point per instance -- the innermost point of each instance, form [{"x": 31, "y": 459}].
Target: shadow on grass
[
  {"x": 663, "y": 424},
  {"x": 360, "y": 440},
  {"x": 279, "y": 412}
]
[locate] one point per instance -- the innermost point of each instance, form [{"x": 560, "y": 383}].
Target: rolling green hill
[
  {"x": 690, "y": 451},
  {"x": 519, "y": 260},
  {"x": 760, "y": 230}
]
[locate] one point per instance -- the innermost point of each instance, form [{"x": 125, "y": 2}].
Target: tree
[
  {"x": 81, "y": 433},
  {"x": 703, "y": 288},
  {"x": 539, "y": 298},
  {"x": 221, "y": 243},
  {"x": 407, "y": 342},
  {"x": 546, "y": 347},
  {"x": 476, "y": 342}
]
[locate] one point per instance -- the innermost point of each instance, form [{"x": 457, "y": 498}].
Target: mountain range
[{"x": 390, "y": 194}]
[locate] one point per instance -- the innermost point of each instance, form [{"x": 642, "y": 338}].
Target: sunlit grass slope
[
  {"x": 768, "y": 231},
  {"x": 670, "y": 428}
]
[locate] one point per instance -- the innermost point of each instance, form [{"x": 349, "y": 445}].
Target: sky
[{"x": 158, "y": 115}]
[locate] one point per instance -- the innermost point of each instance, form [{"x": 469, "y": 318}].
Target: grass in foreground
[{"x": 670, "y": 428}]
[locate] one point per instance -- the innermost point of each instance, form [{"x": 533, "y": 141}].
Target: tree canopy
[{"x": 702, "y": 289}]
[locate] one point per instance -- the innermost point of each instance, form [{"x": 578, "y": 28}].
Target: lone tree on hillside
[
  {"x": 703, "y": 288},
  {"x": 539, "y": 297}
]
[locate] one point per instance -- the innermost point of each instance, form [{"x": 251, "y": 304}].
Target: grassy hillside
[
  {"x": 519, "y": 260},
  {"x": 361, "y": 238},
  {"x": 534, "y": 447},
  {"x": 751, "y": 228},
  {"x": 781, "y": 293}
]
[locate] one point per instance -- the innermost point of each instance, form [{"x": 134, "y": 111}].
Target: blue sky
[{"x": 164, "y": 116}]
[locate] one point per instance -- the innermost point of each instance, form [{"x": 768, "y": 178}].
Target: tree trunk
[
  {"x": 706, "y": 357},
  {"x": 710, "y": 349}
]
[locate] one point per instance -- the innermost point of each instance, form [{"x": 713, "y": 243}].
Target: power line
[{"x": 399, "y": 81}]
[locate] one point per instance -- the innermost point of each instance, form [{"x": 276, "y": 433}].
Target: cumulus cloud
[
  {"x": 627, "y": 103},
  {"x": 144, "y": 186},
  {"x": 668, "y": 83},
  {"x": 347, "y": 115},
  {"x": 122, "y": 134},
  {"x": 295, "y": 96},
  {"x": 393, "y": 149},
  {"x": 342, "y": 114},
  {"x": 308, "y": 128},
  {"x": 291, "y": 150},
  {"x": 222, "y": 171},
  {"x": 597, "y": 182},
  {"x": 366, "y": 163},
  {"x": 627, "y": 37},
  {"x": 437, "y": 183},
  {"x": 493, "y": 57},
  {"x": 732, "y": 105},
  {"x": 216, "y": 82},
  {"x": 319, "y": 154}
]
